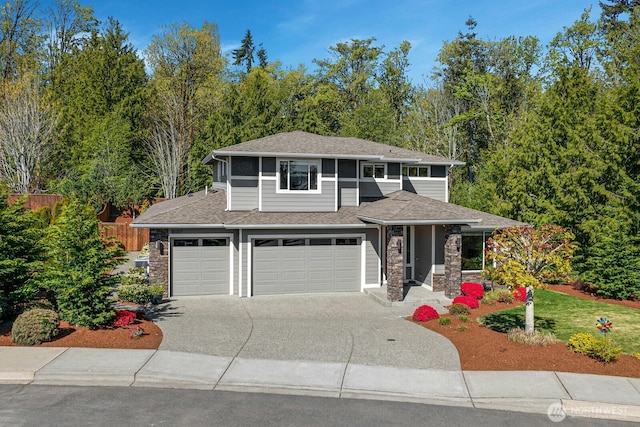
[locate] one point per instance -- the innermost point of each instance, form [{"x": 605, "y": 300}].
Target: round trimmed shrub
[
  {"x": 35, "y": 326},
  {"x": 468, "y": 301},
  {"x": 424, "y": 313},
  {"x": 472, "y": 289},
  {"x": 136, "y": 293},
  {"x": 458, "y": 309}
]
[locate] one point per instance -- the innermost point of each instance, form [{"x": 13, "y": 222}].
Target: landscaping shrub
[
  {"x": 457, "y": 309},
  {"x": 424, "y": 313},
  {"x": 537, "y": 338},
  {"x": 599, "y": 349},
  {"x": 499, "y": 295},
  {"x": 123, "y": 318},
  {"x": 472, "y": 289},
  {"x": 463, "y": 318},
  {"x": 520, "y": 294},
  {"x": 468, "y": 301},
  {"x": 35, "y": 326},
  {"x": 136, "y": 293},
  {"x": 135, "y": 276},
  {"x": 444, "y": 321},
  {"x": 462, "y": 328}
]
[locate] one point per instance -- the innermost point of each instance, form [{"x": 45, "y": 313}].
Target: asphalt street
[{"x": 33, "y": 405}]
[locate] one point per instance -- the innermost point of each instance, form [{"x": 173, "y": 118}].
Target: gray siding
[
  {"x": 370, "y": 189},
  {"x": 298, "y": 201},
  {"x": 435, "y": 189},
  {"x": 244, "y": 194},
  {"x": 348, "y": 193},
  {"x": 441, "y": 235},
  {"x": 244, "y": 166},
  {"x": 268, "y": 166},
  {"x": 372, "y": 253},
  {"x": 347, "y": 169},
  {"x": 422, "y": 260}
]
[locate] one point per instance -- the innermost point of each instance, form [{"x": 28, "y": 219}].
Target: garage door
[
  {"x": 296, "y": 266},
  {"x": 200, "y": 266}
]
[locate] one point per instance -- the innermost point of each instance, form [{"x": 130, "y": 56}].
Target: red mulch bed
[
  {"x": 482, "y": 349},
  {"x": 78, "y": 336}
]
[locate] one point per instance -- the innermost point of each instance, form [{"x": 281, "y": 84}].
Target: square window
[{"x": 298, "y": 175}]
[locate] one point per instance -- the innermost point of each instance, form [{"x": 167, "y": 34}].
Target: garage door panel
[
  {"x": 200, "y": 270},
  {"x": 321, "y": 266}
]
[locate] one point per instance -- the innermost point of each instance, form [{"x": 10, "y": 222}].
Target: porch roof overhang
[{"x": 400, "y": 221}]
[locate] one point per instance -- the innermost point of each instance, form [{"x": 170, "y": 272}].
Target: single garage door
[
  {"x": 296, "y": 266},
  {"x": 200, "y": 266}
]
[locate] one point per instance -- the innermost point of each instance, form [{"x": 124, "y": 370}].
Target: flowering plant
[
  {"x": 472, "y": 289},
  {"x": 520, "y": 294},
  {"x": 424, "y": 313},
  {"x": 123, "y": 318},
  {"x": 466, "y": 300}
]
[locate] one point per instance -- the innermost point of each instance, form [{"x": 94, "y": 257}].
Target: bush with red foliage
[
  {"x": 424, "y": 313},
  {"x": 123, "y": 318},
  {"x": 472, "y": 289},
  {"x": 466, "y": 300},
  {"x": 520, "y": 294}
]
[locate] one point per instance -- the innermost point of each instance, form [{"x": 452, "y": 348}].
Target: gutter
[{"x": 420, "y": 221}]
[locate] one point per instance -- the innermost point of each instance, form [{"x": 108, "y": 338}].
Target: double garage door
[
  {"x": 200, "y": 266},
  {"x": 310, "y": 265}
]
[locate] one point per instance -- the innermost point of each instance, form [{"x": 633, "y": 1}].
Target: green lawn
[{"x": 565, "y": 315}]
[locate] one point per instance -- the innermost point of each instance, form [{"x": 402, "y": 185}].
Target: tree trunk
[{"x": 528, "y": 325}]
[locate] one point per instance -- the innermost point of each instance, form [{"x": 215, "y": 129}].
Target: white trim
[
  {"x": 240, "y": 263},
  {"x": 174, "y": 236},
  {"x": 252, "y": 237},
  {"x": 319, "y": 179},
  {"x": 380, "y": 249},
  {"x": 260, "y": 178},
  {"x": 408, "y": 230},
  {"x": 337, "y": 186},
  {"x": 433, "y": 246},
  {"x": 374, "y": 164},
  {"x": 383, "y": 249},
  {"x": 229, "y": 183}
]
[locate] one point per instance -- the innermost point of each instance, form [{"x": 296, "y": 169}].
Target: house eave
[
  {"x": 420, "y": 221},
  {"x": 296, "y": 226},
  {"x": 174, "y": 225}
]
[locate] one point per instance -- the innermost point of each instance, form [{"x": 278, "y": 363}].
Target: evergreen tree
[{"x": 78, "y": 265}]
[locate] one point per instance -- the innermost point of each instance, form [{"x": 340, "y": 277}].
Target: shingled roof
[
  {"x": 304, "y": 144},
  {"x": 208, "y": 209}
]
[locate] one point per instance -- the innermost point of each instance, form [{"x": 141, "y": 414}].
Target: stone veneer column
[
  {"x": 159, "y": 257},
  {"x": 453, "y": 261},
  {"x": 395, "y": 263}
]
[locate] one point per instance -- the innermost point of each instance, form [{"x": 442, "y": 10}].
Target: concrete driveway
[{"x": 344, "y": 328}]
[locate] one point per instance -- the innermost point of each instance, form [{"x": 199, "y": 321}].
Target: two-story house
[{"x": 303, "y": 213}]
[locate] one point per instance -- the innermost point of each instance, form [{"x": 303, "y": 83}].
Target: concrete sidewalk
[{"x": 557, "y": 394}]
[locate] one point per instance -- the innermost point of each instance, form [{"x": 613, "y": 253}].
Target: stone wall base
[{"x": 439, "y": 282}]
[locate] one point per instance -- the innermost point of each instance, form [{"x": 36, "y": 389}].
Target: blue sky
[{"x": 296, "y": 32}]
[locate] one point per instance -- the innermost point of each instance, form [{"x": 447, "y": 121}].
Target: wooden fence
[
  {"x": 132, "y": 238},
  {"x": 37, "y": 201}
]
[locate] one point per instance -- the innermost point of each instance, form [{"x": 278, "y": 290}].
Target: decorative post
[
  {"x": 395, "y": 263},
  {"x": 453, "y": 261}
]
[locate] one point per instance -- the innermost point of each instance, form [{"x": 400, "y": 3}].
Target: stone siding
[
  {"x": 395, "y": 264},
  {"x": 159, "y": 257}
]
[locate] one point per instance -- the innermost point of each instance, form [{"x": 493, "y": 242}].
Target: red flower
[
  {"x": 520, "y": 294},
  {"x": 472, "y": 289},
  {"x": 424, "y": 313},
  {"x": 123, "y": 318},
  {"x": 466, "y": 300}
]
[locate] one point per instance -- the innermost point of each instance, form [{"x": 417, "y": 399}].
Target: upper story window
[
  {"x": 299, "y": 175},
  {"x": 415, "y": 171},
  {"x": 374, "y": 170}
]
